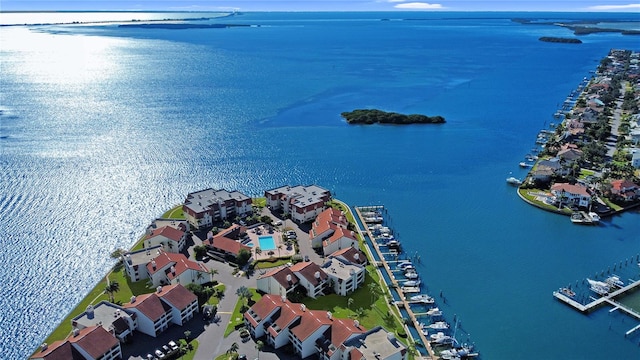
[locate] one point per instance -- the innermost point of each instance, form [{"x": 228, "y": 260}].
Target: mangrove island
[{"x": 373, "y": 116}]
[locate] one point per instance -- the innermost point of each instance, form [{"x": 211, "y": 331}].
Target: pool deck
[{"x": 281, "y": 250}]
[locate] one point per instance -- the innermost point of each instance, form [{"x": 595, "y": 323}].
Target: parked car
[
  {"x": 159, "y": 354},
  {"x": 173, "y": 345}
]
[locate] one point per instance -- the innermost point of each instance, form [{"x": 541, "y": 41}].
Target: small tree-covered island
[{"x": 373, "y": 116}]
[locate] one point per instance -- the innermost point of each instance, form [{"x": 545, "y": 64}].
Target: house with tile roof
[
  {"x": 625, "y": 189},
  {"x": 314, "y": 332},
  {"x": 345, "y": 276},
  {"x": 352, "y": 255},
  {"x": 111, "y": 317},
  {"x": 571, "y": 194},
  {"x": 135, "y": 262},
  {"x": 341, "y": 331},
  {"x": 202, "y": 208},
  {"x": 90, "y": 343},
  {"x": 153, "y": 315},
  {"x": 168, "y": 268},
  {"x": 569, "y": 155},
  {"x": 312, "y": 278},
  {"x": 227, "y": 242},
  {"x": 325, "y": 225},
  {"x": 260, "y": 315},
  {"x": 340, "y": 239},
  {"x": 280, "y": 281},
  {"x": 170, "y": 238},
  {"x": 302, "y": 203},
  {"x": 183, "y": 303}
]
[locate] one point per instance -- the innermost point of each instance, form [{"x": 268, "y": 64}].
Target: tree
[
  {"x": 118, "y": 253},
  {"x": 374, "y": 291},
  {"x": 213, "y": 272},
  {"x": 259, "y": 346},
  {"x": 349, "y": 303},
  {"x": 258, "y": 250},
  {"x": 112, "y": 288},
  {"x": 234, "y": 348},
  {"x": 243, "y": 257},
  {"x": 187, "y": 334},
  {"x": 199, "y": 251},
  {"x": 243, "y": 293}
]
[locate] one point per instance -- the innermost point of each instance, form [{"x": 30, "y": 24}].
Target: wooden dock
[
  {"x": 606, "y": 299},
  {"x": 403, "y": 303}
]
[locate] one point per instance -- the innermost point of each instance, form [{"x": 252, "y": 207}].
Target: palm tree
[
  {"x": 213, "y": 272},
  {"x": 187, "y": 334},
  {"x": 234, "y": 348},
  {"x": 374, "y": 291},
  {"x": 244, "y": 293},
  {"x": 258, "y": 250},
  {"x": 259, "y": 346},
  {"x": 349, "y": 303},
  {"x": 112, "y": 288},
  {"x": 279, "y": 247}
]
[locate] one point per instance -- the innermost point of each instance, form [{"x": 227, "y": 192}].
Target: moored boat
[
  {"x": 434, "y": 312},
  {"x": 514, "y": 181},
  {"x": 411, "y": 283},
  {"x": 568, "y": 292},
  {"x": 599, "y": 287},
  {"x": 614, "y": 280},
  {"x": 422, "y": 298}
]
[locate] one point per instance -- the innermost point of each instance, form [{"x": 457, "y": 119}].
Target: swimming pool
[{"x": 267, "y": 242}]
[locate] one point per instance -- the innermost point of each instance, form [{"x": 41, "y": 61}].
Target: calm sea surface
[{"x": 105, "y": 127}]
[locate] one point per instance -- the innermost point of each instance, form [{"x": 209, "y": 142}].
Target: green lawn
[
  {"x": 525, "y": 194},
  {"x": 174, "y": 213},
  {"x": 269, "y": 264},
  {"x": 191, "y": 353},
  {"x": 260, "y": 202},
  {"x": 214, "y": 300},
  {"x": 97, "y": 294},
  {"x": 375, "y": 310},
  {"x": 236, "y": 316}
]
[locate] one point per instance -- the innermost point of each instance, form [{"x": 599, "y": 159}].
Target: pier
[
  {"x": 608, "y": 299},
  {"x": 403, "y": 302}
]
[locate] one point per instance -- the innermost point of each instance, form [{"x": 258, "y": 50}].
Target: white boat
[
  {"x": 404, "y": 264},
  {"x": 594, "y": 217},
  {"x": 438, "y": 325},
  {"x": 525, "y": 165},
  {"x": 434, "y": 312},
  {"x": 422, "y": 298},
  {"x": 599, "y": 287},
  {"x": 441, "y": 338},
  {"x": 581, "y": 217},
  {"x": 411, "y": 283},
  {"x": 614, "y": 280},
  {"x": 412, "y": 275},
  {"x": 514, "y": 181}
]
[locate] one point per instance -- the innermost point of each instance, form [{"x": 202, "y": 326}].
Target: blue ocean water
[{"x": 105, "y": 127}]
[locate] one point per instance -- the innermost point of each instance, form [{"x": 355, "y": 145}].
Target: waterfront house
[
  {"x": 168, "y": 268},
  {"x": 346, "y": 277},
  {"x": 202, "y": 208},
  {"x": 301, "y": 203},
  {"x": 340, "y": 239},
  {"x": 352, "y": 255},
  {"x": 325, "y": 225},
  {"x": 625, "y": 189},
  {"x": 571, "y": 194},
  {"x": 569, "y": 155},
  {"x": 171, "y": 239},
  {"x": 135, "y": 262},
  {"x": 542, "y": 174},
  {"x": 311, "y": 277},
  {"x": 281, "y": 281},
  {"x": 316, "y": 332},
  {"x": 111, "y": 317},
  {"x": 90, "y": 343}
]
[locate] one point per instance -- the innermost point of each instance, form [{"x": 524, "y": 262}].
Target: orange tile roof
[
  {"x": 288, "y": 314},
  {"x": 342, "y": 329},
  {"x": 95, "y": 340},
  {"x": 168, "y": 232},
  {"x": 228, "y": 245},
  {"x": 308, "y": 270},
  {"x": 265, "y": 306},
  {"x": 618, "y": 185},
  {"x": 178, "y": 261},
  {"x": 339, "y": 234},
  {"x": 310, "y": 322},
  {"x": 572, "y": 189},
  {"x": 281, "y": 277},
  {"x": 150, "y": 305},
  {"x": 58, "y": 350},
  {"x": 177, "y": 295}
]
